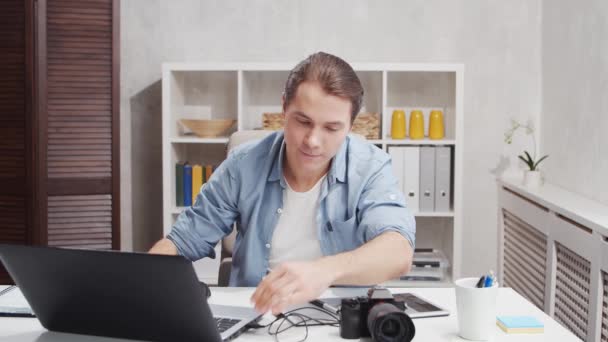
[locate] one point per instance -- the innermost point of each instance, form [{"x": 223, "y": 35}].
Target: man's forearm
[
  {"x": 386, "y": 257},
  {"x": 164, "y": 246}
]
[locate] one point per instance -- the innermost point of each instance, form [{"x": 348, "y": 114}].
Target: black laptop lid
[{"x": 116, "y": 294}]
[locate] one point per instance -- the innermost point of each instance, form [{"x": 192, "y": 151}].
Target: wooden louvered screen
[
  {"x": 82, "y": 135},
  {"x": 525, "y": 261},
  {"x": 15, "y": 123},
  {"x": 59, "y": 123},
  {"x": 572, "y": 286},
  {"x": 80, "y": 221}
]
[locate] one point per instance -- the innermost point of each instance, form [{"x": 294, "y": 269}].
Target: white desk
[{"x": 427, "y": 329}]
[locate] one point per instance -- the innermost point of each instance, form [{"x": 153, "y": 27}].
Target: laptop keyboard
[{"x": 224, "y": 324}]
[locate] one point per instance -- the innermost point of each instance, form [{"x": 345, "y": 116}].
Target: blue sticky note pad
[{"x": 522, "y": 324}]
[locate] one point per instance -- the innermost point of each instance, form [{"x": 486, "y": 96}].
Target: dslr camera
[{"x": 376, "y": 315}]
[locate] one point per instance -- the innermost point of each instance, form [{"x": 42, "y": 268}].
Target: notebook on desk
[
  {"x": 13, "y": 304},
  {"x": 117, "y": 294},
  {"x": 415, "y": 306}
]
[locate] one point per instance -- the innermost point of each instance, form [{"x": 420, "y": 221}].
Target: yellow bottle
[
  {"x": 416, "y": 125},
  {"x": 436, "y": 127},
  {"x": 398, "y": 124}
]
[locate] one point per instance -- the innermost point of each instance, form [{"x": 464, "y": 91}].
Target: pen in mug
[
  {"x": 481, "y": 282},
  {"x": 490, "y": 279},
  {"x": 488, "y": 282}
]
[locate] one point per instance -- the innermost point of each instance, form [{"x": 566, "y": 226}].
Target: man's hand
[
  {"x": 387, "y": 256},
  {"x": 164, "y": 246},
  {"x": 292, "y": 283}
]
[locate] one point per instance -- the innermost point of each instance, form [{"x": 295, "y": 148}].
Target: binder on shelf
[
  {"x": 443, "y": 175},
  {"x": 197, "y": 181},
  {"x": 396, "y": 154},
  {"x": 427, "y": 178},
  {"x": 179, "y": 184},
  {"x": 208, "y": 172},
  {"x": 187, "y": 185},
  {"x": 411, "y": 178}
]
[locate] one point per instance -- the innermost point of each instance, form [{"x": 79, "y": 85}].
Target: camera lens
[{"x": 387, "y": 323}]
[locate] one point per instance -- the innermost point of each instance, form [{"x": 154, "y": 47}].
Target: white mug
[{"x": 476, "y": 309}]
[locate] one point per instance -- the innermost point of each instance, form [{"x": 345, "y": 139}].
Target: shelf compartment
[
  {"x": 202, "y": 154},
  {"x": 262, "y": 92},
  {"x": 425, "y": 91},
  {"x": 201, "y": 95}
]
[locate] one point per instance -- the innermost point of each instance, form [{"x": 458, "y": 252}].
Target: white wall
[
  {"x": 575, "y": 95},
  {"x": 498, "y": 42}
]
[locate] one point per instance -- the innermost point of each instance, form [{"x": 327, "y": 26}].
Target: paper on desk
[{"x": 14, "y": 302}]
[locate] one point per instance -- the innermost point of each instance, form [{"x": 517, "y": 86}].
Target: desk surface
[{"x": 427, "y": 329}]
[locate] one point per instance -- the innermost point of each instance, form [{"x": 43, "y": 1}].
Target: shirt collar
[{"x": 337, "y": 170}]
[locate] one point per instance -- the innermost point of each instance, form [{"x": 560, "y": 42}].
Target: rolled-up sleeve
[
  {"x": 382, "y": 207},
  {"x": 200, "y": 227}
]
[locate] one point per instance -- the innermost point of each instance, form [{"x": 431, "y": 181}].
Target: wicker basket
[
  {"x": 273, "y": 121},
  {"x": 208, "y": 128},
  {"x": 366, "y": 124}
]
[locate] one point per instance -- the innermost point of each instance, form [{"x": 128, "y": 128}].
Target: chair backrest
[{"x": 236, "y": 139}]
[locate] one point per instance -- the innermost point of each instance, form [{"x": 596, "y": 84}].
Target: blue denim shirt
[{"x": 359, "y": 200}]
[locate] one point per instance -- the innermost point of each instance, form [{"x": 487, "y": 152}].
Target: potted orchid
[{"x": 532, "y": 176}]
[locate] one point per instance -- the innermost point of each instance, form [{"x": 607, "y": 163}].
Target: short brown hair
[{"x": 335, "y": 76}]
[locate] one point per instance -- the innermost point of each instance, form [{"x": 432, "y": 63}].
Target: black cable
[
  {"x": 286, "y": 319},
  {"x": 305, "y": 321}
]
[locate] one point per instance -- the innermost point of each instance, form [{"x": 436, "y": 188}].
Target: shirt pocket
[{"x": 347, "y": 234}]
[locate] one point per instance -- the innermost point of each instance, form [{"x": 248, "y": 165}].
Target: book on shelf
[
  {"x": 179, "y": 184},
  {"x": 187, "y": 185},
  {"x": 188, "y": 181},
  {"x": 208, "y": 172},
  {"x": 197, "y": 180}
]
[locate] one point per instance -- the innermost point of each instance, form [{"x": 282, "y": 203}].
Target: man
[{"x": 313, "y": 206}]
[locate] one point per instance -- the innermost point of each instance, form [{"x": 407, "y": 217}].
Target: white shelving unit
[{"x": 244, "y": 91}]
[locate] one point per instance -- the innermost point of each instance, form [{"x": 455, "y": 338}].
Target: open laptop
[{"x": 117, "y": 294}]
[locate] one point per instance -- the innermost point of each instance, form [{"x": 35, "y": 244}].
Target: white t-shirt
[{"x": 295, "y": 236}]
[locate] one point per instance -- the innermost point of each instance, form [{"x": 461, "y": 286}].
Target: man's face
[{"x": 316, "y": 124}]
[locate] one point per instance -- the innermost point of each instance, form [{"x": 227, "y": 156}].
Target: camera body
[{"x": 376, "y": 315}]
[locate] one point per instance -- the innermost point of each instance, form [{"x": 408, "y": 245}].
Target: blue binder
[{"x": 187, "y": 185}]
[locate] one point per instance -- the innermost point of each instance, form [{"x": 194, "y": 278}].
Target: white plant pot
[{"x": 533, "y": 179}]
